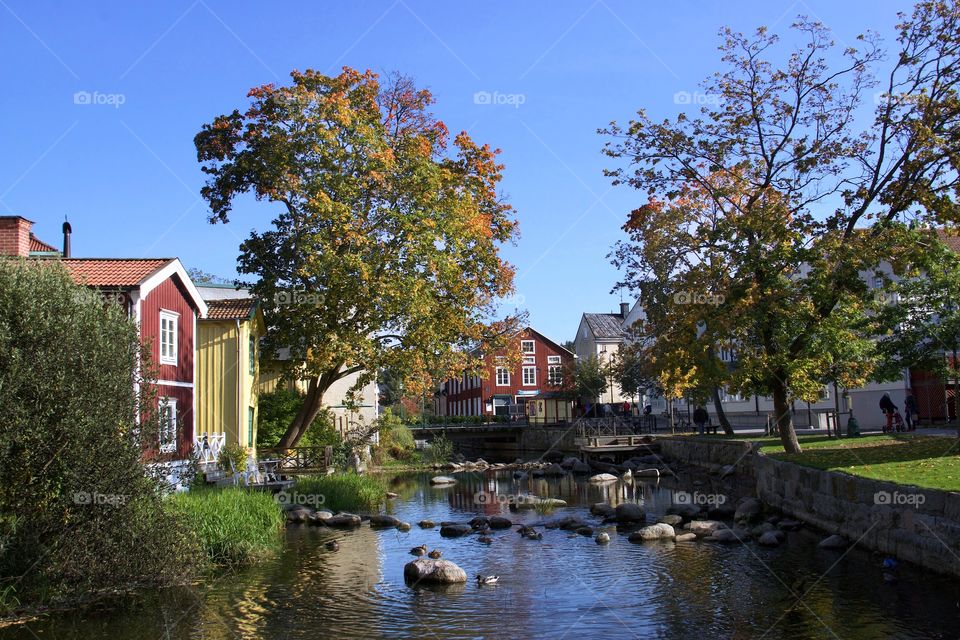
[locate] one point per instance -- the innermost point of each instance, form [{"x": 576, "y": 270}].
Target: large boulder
[
  {"x": 442, "y": 480},
  {"x": 299, "y": 513},
  {"x": 629, "y": 512},
  {"x": 344, "y": 521},
  {"x": 603, "y": 510},
  {"x": 455, "y": 530},
  {"x": 602, "y": 478},
  {"x": 748, "y": 510},
  {"x": 480, "y": 522},
  {"x": 659, "y": 531},
  {"x": 567, "y": 523},
  {"x": 703, "y": 528},
  {"x": 433, "y": 571},
  {"x": 685, "y": 537},
  {"x": 383, "y": 522},
  {"x": 499, "y": 522},
  {"x": 580, "y": 468},
  {"x": 321, "y": 517}
]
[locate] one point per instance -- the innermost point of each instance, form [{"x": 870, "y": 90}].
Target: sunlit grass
[{"x": 342, "y": 491}]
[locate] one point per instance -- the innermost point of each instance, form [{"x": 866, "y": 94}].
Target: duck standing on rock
[
  {"x": 419, "y": 551},
  {"x": 482, "y": 580},
  {"x": 435, "y": 554}
]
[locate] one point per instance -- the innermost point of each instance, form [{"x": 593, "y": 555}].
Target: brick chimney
[
  {"x": 624, "y": 309},
  {"x": 15, "y": 236}
]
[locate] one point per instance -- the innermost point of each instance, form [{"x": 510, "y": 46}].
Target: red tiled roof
[
  {"x": 39, "y": 245},
  {"x": 113, "y": 272},
  {"x": 231, "y": 309},
  {"x": 953, "y": 242}
]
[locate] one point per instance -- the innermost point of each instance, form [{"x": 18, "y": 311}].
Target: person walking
[
  {"x": 701, "y": 418},
  {"x": 888, "y": 408},
  {"x": 910, "y": 412}
]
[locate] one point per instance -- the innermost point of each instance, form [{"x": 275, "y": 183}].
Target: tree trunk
[
  {"x": 783, "y": 417},
  {"x": 721, "y": 414},
  {"x": 311, "y": 406}
]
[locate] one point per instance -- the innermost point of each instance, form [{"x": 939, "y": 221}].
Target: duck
[
  {"x": 533, "y": 535},
  {"x": 333, "y": 545},
  {"x": 419, "y": 551},
  {"x": 603, "y": 537},
  {"x": 525, "y": 530},
  {"x": 485, "y": 539},
  {"x": 435, "y": 554},
  {"x": 482, "y": 580}
]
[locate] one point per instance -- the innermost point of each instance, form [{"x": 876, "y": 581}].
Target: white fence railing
[{"x": 207, "y": 446}]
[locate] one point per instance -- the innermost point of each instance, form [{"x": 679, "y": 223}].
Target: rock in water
[
  {"x": 455, "y": 530},
  {"x": 769, "y": 539},
  {"x": 659, "y": 531},
  {"x": 601, "y": 478},
  {"x": 748, "y": 510},
  {"x": 499, "y": 522},
  {"x": 629, "y": 512},
  {"x": 603, "y": 538},
  {"x": 427, "y": 524},
  {"x": 344, "y": 520},
  {"x": 442, "y": 480},
  {"x": 378, "y": 521},
  {"x": 833, "y": 542},
  {"x": 433, "y": 571}
]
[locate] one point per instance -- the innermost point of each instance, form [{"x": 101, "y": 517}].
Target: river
[{"x": 563, "y": 586}]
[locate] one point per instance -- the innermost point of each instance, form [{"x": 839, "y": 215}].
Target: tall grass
[
  {"x": 234, "y": 526},
  {"x": 341, "y": 491}
]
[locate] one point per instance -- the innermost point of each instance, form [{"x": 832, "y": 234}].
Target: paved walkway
[{"x": 938, "y": 430}]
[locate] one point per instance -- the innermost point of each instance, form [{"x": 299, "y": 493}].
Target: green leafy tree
[
  {"x": 278, "y": 408},
  {"x": 78, "y": 512},
  {"x": 765, "y": 210},
  {"x": 588, "y": 378},
  {"x": 385, "y": 248}
]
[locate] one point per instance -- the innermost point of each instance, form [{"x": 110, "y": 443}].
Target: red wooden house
[
  {"x": 156, "y": 292},
  {"x": 533, "y": 387}
]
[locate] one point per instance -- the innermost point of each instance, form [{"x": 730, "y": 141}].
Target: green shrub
[
  {"x": 343, "y": 491},
  {"x": 441, "y": 449},
  {"x": 233, "y": 457},
  {"x": 279, "y": 408},
  {"x": 78, "y": 513},
  {"x": 396, "y": 440},
  {"x": 234, "y": 527}
]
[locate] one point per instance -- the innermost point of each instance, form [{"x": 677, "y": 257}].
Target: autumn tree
[
  {"x": 777, "y": 200},
  {"x": 384, "y": 252}
]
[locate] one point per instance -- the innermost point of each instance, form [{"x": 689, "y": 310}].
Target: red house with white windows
[
  {"x": 532, "y": 388},
  {"x": 156, "y": 292}
]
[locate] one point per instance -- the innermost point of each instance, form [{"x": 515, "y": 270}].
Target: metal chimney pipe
[{"x": 66, "y": 237}]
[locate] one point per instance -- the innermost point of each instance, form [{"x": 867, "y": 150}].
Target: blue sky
[{"x": 124, "y": 168}]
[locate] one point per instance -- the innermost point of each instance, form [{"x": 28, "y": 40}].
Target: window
[
  {"x": 527, "y": 346},
  {"x": 824, "y": 394},
  {"x": 503, "y": 377},
  {"x": 529, "y": 360},
  {"x": 253, "y": 355},
  {"x": 729, "y": 396},
  {"x": 529, "y": 376},
  {"x": 250, "y": 414},
  {"x": 168, "y": 337},
  {"x": 554, "y": 375},
  {"x": 168, "y": 425},
  {"x": 553, "y": 359}
]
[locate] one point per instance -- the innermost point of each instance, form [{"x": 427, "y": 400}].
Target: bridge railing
[
  {"x": 615, "y": 426},
  {"x": 296, "y": 459}
]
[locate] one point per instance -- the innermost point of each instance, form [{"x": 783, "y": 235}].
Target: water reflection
[{"x": 562, "y": 586}]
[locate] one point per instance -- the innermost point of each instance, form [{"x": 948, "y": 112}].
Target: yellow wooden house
[{"x": 227, "y": 376}]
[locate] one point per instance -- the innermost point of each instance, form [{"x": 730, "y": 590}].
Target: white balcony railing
[{"x": 207, "y": 446}]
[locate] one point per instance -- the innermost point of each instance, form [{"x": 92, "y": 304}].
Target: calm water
[{"x": 560, "y": 587}]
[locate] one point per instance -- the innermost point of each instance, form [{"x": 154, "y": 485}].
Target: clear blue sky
[{"x": 127, "y": 176}]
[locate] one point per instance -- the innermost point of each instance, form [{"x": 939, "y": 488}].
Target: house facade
[
  {"x": 533, "y": 387},
  {"x": 600, "y": 335},
  {"x": 228, "y": 367},
  {"x": 158, "y": 294}
]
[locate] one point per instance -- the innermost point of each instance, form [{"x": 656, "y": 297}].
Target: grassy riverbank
[
  {"x": 340, "y": 492},
  {"x": 233, "y": 526}
]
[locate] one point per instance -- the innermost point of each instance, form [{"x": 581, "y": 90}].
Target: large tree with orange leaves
[
  {"x": 385, "y": 247},
  {"x": 770, "y": 212}
]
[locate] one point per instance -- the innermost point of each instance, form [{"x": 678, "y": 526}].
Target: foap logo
[
  {"x": 885, "y": 298},
  {"x": 94, "y": 498},
  {"x": 305, "y": 499},
  {"x": 114, "y": 100},
  {"x": 898, "y": 499},
  {"x": 697, "y": 97},
  {"x": 498, "y": 99},
  {"x": 699, "y": 499},
  {"x": 515, "y": 300},
  {"x": 883, "y": 97},
  {"x": 486, "y": 498},
  {"x": 297, "y": 296},
  {"x": 692, "y": 297}
]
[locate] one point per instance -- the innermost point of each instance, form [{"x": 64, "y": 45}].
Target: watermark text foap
[
  {"x": 898, "y": 499},
  {"x": 97, "y": 98},
  {"x": 303, "y": 499},
  {"x": 95, "y": 498},
  {"x": 497, "y": 98},
  {"x": 697, "y": 97},
  {"x": 485, "y": 498},
  {"x": 699, "y": 499},
  {"x": 297, "y": 296},
  {"x": 693, "y": 297}
]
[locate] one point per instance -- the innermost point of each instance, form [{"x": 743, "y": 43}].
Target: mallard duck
[
  {"x": 435, "y": 554},
  {"x": 419, "y": 551},
  {"x": 333, "y": 545},
  {"x": 525, "y": 530},
  {"x": 482, "y": 580},
  {"x": 533, "y": 535}
]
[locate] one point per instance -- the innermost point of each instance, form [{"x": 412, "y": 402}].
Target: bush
[
  {"x": 78, "y": 513},
  {"x": 278, "y": 409},
  {"x": 233, "y": 458},
  {"x": 343, "y": 491},
  {"x": 441, "y": 449},
  {"x": 234, "y": 527},
  {"x": 396, "y": 440}
]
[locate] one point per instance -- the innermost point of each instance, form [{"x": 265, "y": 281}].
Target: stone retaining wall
[
  {"x": 713, "y": 455},
  {"x": 918, "y": 525}
]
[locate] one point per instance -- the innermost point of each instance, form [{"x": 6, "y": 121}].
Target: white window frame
[
  {"x": 554, "y": 360},
  {"x": 167, "y": 432},
  {"x": 171, "y": 356},
  {"x": 554, "y": 374},
  {"x": 529, "y": 359},
  {"x": 505, "y": 371},
  {"x": 524, "y": 376},
  {"x": 524, "y": 343}
]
